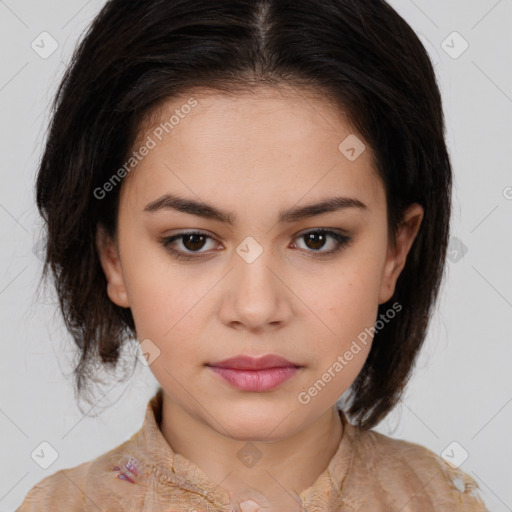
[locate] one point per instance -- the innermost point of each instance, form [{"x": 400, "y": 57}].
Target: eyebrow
[{"x": 201, "y": 209}]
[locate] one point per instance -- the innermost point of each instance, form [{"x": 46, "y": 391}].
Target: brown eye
[
  {"x": 188, "y": 246},
  {"x": 315, "y": 240},
  {"x": 193, "y": 241},
  {"x": 183, "y": 246},
  {"x": 320, "y": 238}
]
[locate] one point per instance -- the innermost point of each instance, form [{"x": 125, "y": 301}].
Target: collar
[{"x": 151, "y": 448}]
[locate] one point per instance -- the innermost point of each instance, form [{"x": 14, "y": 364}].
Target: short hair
[{"x": 360, "y": 55}]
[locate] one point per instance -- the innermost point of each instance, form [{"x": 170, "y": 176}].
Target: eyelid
[{"x": 338, "y": 231}]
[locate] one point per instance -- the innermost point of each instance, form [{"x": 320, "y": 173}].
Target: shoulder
[
  {"x": 62, "y": 490},
  {"x": 408, "y": 474},
  {"x": 91, "y": 485}
]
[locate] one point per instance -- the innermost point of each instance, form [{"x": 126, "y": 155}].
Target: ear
[
  {"x": 396, "y": 257},
  {"x": 109, "y": 257}
]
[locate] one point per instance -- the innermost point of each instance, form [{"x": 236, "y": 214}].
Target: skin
[{"x": 254, "y": 154}]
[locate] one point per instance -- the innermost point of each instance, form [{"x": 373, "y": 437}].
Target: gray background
[{"x": 462, "y": 387}]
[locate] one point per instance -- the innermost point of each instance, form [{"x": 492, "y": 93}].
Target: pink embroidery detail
[
  {"x": 123, "y": 476},
  {"x": 131, "y": 469}
]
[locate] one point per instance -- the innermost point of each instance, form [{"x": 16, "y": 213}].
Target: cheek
[
  {"x": 345, "y": 307},
  {"x": 166, "y": 312},
  {"x": 163, "y": 296},
  {"x": 346, "y": 297}
]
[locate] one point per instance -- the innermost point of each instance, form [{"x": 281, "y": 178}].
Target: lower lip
[{"x": 256, "y": 380}]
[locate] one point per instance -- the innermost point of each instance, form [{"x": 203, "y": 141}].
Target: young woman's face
[{"x": 240, "y": 262}]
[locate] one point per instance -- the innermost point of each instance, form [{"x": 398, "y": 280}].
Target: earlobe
[
  {"x": 111, "y": 264},
  {"x": 397, "y": 256}
]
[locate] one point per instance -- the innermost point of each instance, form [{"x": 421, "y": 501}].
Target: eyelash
[{"x": 342, "y": 241}]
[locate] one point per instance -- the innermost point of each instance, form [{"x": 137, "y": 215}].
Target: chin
[{"x": 258, "y": 423}]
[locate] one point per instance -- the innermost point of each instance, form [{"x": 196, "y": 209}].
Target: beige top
[{"x": 369, "y": 472}]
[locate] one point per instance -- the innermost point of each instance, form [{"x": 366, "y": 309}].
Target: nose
[{"x": 255, "y": 296}]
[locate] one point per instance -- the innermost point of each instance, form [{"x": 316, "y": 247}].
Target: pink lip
[
  {"x": 255, "y": 374},
  {"x": 254, "y": 363}
]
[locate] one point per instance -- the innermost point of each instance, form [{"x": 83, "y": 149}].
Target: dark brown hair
[{"x": 360, "y": 54}]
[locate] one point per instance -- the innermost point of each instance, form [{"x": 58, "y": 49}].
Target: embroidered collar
[{"x": 149, "y": 448}]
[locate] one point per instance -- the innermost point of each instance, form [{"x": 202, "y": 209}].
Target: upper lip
[{"x": 254, "y": 363}]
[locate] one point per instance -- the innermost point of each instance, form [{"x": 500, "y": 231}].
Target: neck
[{"x": 270, "y": 473}]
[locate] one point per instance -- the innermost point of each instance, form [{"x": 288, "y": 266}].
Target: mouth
[
  {"x": 255, "y": 374},
  {"x": 254, "y": 363}
]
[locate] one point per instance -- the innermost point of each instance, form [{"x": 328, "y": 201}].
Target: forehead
[{"x": 283, "y": 143}]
